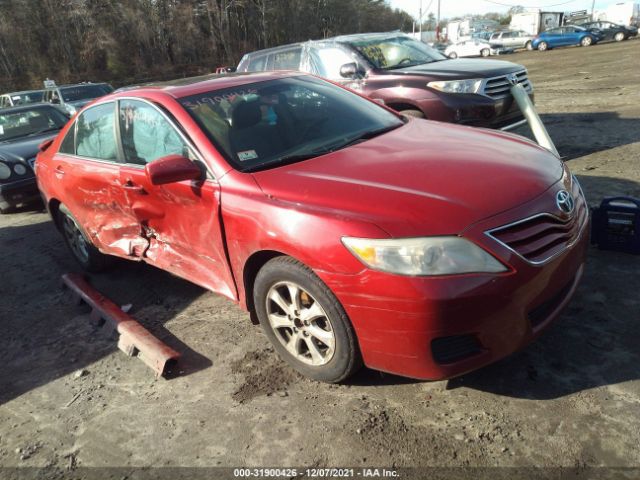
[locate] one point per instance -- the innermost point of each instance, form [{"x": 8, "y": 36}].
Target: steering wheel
[{"x": 404, "y": 60}]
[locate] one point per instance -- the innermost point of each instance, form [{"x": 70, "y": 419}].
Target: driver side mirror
[
  {"x": 170, "y": 169},
  {"x": 351, "y": 70}
]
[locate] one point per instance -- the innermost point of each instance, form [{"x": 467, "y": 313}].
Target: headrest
[
  {"x": 246, "y": 114},
  {"x": 39, "y": 121}
]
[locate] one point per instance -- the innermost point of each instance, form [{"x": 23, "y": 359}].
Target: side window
[
  {"x": 328, "y": 61},
  {"x": 287, "y": 60},
  {"x": 96, "y": 133},
  {"x": 68, "y": 145},
  {"x": 257, "y": 64},
  {"x": 146, "y": 134}
]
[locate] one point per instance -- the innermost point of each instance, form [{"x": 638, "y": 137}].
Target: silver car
[{"x": 511, "y": 39}]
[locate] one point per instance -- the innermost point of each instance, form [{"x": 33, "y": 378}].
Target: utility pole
[
  {"x": 593, "y": 6},
  {"x": 420, "y": 19},
  {"x": 438, "y": 23}
]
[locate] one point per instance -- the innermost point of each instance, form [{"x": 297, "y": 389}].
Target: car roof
[
  {"x": 185, "y": 87},
  {"x": 81, "y": 84},
  {"x": 366, "y": 36},
  {"x": 21, "y": 92},
  {"x": 28, "y": 106}
]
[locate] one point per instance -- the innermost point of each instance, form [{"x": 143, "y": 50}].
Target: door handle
[
  {"x": 132, "y": 187},
  {"x": 59, "y": 170}
]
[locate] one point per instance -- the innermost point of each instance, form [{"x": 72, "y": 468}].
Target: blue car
[{"x": 565, "y": 36}]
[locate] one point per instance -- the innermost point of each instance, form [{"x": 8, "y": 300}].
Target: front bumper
[
  {"x": 440, "y": 327},
  {"x": 473, "y": 110},
  {"x": 19, "y": 191}
]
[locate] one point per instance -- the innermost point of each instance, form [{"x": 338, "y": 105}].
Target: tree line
[{"x": 129, "y": 41}]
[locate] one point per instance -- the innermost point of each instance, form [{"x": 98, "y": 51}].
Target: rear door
[
  {"x": 87, "y": 171},
  {"x": 179, "y": 222}
]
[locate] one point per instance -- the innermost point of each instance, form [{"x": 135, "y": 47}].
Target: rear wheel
[
  {"x": 485, "y": 52},
  {"x": 586, "y": 41},
  {"x": 542, "y": 46},
  {"x": 81, "y": 249},
  {"x": 618, "y": 37},
  {"x": 528, "y": 46},
  {"x": 305, "y": 322},
  {"x": 453, "y": 55}
]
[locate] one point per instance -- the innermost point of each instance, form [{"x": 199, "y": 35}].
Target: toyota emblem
[
  {"x": 512, "y": 78},
  {"x": 565, "y": 202}
]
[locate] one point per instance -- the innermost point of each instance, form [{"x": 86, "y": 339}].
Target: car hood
[
  {"x": 461, "y": 68},
  {"x": 24, "y": 148},
  {"x": 424, "y": 178}
]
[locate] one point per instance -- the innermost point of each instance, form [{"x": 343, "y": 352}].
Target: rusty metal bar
[{"x": 134, "y": 339}]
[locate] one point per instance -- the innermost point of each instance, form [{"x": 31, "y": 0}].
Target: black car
[
  {"x": 22, "y": 130},
  {"x": 611, "y": 31}
]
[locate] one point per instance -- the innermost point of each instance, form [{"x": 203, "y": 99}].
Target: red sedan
[{"x": 352, "y": 234}]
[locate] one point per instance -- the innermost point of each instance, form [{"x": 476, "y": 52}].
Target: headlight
[
  {"x": 457, "y": 86},
  {"x": 19, "y": 169},
  {"x": 5, "y": 171},
  {"x": 423, "y": 256}
]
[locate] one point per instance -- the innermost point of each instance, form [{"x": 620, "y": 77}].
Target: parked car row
[
  {"x": 352, "y": 230},
  {"x": 28, "y": 118}
]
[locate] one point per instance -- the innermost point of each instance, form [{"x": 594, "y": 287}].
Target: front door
[{"x": 180, "y": 222}]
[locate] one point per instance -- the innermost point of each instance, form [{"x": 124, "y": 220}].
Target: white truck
[
  {"x": 536, "y": 21},
  {"x": 622, "y": 13}
]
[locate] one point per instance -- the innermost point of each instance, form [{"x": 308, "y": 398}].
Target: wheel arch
[
  {"x": 251, "y": 268},
  {"x": 53, "y": 206}
]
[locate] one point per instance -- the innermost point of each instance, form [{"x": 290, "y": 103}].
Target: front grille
[
  {"x": 542, "y": 237},
  {"x": 455, "y": 348},
  {"x": 500, "y": 87},
  {"x": 539, "y": 314}
]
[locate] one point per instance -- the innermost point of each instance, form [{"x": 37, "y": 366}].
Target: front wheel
[
  {"x": 618, "y": 37},
  {"x": 485, "y": 52},
  {"x": 88, "y": 256},
  {"x": 528, "y": 46},
  {"x": 586, "y": 41},
  {"x": 305, "y": 322},
  {"x": 453, "y": 55},
  {"x": 542, "y": 46}
]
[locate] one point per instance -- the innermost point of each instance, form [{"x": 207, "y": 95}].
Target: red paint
[{"x": 422, "y": 179}]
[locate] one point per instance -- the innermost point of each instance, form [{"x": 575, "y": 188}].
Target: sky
[{"x": 455, "y": 8}]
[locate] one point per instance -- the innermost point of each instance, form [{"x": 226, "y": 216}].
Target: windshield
[
  {"x": 396, "y": 52},
  {"x": 27, "y": 97},
  {"x": 84, "y": 92},
  {"x": 265, "y": 124},
  {"x": 30, "y": 122}
]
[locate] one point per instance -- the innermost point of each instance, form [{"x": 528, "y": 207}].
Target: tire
[
  {"x": 453, "y": 55},
  {"x": 528, "y": 45},
  {"x": 412, "y": 113},
  {"x": 586, "y": 41},
  {"x": 82, "y": 250},
  {"x": 618, "y": 37},
  {"x": 485, "y": 52},
  {"x": 322, "y": 346},
  {"x": 542, "y": 46}
]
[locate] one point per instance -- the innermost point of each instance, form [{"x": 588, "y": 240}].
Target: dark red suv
[{"x": 408, "y": 76}]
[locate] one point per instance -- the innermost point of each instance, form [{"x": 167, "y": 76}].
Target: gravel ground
[{"x": 69, "y": 399}]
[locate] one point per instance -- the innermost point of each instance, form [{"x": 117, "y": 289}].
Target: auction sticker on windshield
[{"x": 247, "y": 155}]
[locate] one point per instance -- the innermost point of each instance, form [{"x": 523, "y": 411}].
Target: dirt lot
[{"x": 69, "y": 399}]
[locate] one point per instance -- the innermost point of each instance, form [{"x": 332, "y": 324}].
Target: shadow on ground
[
  {"x": 44, "y": 336},
  {"x": 579, "y": 134}
]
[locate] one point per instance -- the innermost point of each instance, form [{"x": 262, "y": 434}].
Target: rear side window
[
  {"x": 287, "y": 60},
  {"x": 68, "y": 145},
  {"x": 257, "y": 64},
  {"x": 96, "y": 133},
  {"x": 146, "y": 134}
]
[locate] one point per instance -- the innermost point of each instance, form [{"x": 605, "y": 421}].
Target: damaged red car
[{"x": 352, "y": 234}]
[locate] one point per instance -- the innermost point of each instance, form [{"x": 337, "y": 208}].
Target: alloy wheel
[
  {"x": 75, "y": 238},
  {"x": 300, "y": 323}
]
